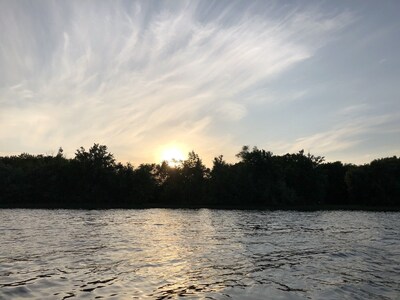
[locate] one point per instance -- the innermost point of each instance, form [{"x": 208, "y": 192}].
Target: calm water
[{"x": 208, "y": 254}]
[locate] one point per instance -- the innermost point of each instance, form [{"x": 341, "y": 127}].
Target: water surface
[{"x": 199, "y": 254}]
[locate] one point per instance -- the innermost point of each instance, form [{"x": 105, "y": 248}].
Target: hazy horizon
[{"x": 208, "y": 76}]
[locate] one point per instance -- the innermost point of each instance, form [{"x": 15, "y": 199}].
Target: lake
[{"x": 199, "y": 254}]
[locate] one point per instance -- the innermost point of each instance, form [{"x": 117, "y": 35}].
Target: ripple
[{"x": 208, "y": 254}]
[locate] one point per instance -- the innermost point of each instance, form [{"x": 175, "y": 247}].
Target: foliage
[{"x": 93, "y": 179}]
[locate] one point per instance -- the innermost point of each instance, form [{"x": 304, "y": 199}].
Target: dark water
[{"x": 199, "y": 254}]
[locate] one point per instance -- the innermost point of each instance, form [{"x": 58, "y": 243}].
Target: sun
[{"x": 172, "y": 155}]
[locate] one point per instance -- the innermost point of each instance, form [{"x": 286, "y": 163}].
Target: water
[{"x": 199, "y": 254}]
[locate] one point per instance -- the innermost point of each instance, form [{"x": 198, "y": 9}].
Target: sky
[{"x": 209, "y": 76}]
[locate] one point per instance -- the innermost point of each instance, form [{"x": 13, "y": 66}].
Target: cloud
[
  {"x": 349, "y": 135},
  {"x": 125, "y": 75},
  {"x": 355, "y": 109},
  {"x": 232, "y": 111}
]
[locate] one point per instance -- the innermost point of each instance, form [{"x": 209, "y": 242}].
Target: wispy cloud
[
  {"x": 355, "y": 109},
  {"x": 349, "y": 135},
  {"x": 136, "y": 76}
]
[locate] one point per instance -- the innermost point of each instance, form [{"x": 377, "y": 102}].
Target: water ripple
[{"x": 198, "y": 254}]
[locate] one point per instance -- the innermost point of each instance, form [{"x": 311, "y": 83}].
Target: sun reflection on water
[{"x": 213, "y": 254}]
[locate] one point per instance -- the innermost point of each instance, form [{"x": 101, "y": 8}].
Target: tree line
[{"x": 94, "y": 179}]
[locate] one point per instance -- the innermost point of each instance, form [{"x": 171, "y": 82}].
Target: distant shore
[
  {"x": 322, "y": 207},
  {"x": 260, "y": 180}
]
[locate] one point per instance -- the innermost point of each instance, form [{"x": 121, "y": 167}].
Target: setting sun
[{"x": 172, "y": 155}]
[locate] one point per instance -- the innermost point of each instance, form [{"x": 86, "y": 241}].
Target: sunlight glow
[{"x": 172, "y": 155}]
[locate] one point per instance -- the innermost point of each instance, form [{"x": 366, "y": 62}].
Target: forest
[{"x": 93, "y": 179}]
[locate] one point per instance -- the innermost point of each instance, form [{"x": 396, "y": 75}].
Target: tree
[
  {"x": 97, "y": 156},
  {"x": 194, "y": 176},
  {"x": 335, "y": 186},
  {"x": 222, "y": 184},
  {"x": 95, "y": 173},
  {"x": 377, "y": 183}
]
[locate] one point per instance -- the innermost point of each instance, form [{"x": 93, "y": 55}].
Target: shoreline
[{"x": 298, "y": 208}]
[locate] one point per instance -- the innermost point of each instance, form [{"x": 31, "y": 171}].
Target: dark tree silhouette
[
  {"x": 377, "y": 183},
  {"x": 335, "y": 184},
  {"x": 93, "y": 179}
]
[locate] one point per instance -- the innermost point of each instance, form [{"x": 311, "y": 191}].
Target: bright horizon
[{"x": 151, "y": 79}]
